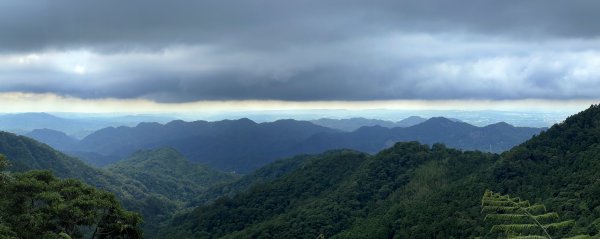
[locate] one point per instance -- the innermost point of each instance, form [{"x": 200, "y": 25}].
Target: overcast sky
[{"x": 181, "y": 52}]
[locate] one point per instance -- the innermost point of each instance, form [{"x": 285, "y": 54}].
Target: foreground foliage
[
  {"x": 36, "y": 204},
  {"x": 516, "y": 218}
]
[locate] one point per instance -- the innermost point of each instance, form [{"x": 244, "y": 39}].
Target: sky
[{"x": 182, "y": 56}]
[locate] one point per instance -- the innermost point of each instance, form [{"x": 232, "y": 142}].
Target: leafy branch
[{"x": 516, "y": 218}]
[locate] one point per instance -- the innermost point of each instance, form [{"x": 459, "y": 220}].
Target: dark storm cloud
[
  {"x": 316, "y": 84},
  {"x": 31, "y": 25},
  {"x": 178, "y": 51}
]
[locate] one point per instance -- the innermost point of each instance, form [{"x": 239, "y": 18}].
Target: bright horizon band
[{"x": 16, "y": 102}]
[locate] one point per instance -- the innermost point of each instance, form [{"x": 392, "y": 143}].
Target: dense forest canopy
[{"x": 36, "y": 204}]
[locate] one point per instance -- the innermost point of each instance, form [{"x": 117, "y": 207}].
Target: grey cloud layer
[
  {"x": 179, "y": 51},
  {"x": 31, "y": 25}
]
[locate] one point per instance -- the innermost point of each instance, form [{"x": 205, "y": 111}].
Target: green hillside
[
  {"x": 263, "y": 175},
  {"x": 414, "y": 191},
  {"x": 559, "y": 168},
  {"x": 334, "y": 194},
  {"x": 27, "y": 154},
  {"x": 153, "y": 193},
  {"x": 166, "y": 172}
]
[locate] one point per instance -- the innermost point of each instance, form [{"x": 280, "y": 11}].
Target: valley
[{"x": 337, "y": 192}]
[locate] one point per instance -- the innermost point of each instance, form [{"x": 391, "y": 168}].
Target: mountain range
[
  {"x": 243, "y": 145},
  {"x": 353, "y": 124},
  {"x": 77, "y": 126},
  {"x": 413, "y": 190},
  {"x": 496, "y": 138},
  {"x": 409, "y": 190}
]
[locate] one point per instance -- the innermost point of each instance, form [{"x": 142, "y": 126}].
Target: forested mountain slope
[
  {"x": 166, "y": 172},
  {"x": 334, "y": 192},
  {"x": 153, "y": 194},
  {"x": 27, "y": 154},
  {"x": 414, "y": 191},
  {"x": 263, "y": 175},
  {"x": 559, "y": 168}
]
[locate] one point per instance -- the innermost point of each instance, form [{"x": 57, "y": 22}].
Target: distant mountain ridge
[
  {"x": 23, "y": 123},
  {"x": 56, "y": 139},
  {"x": 493, "y": 138},
  {"x": 230, "y": 145},
  {"x": 353, "y": 124},
  {"x": 243, "y": 145}
]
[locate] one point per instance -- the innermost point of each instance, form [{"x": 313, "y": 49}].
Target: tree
[
  {"x": 5, "y": 231},
  {"x": 3, "y": 165},
  {"x": 36, "y": 204}
]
